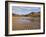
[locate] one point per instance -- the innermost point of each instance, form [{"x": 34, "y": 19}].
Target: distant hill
[{"x": 30, "y": 14}]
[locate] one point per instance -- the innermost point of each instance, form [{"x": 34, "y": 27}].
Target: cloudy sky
[{"x": 24, "y": 10}]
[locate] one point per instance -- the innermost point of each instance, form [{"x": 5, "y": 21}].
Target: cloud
[{"x": 24, "y": 10}]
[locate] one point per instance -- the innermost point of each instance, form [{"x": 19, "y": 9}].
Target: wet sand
[{"x": 25, "y": 23}]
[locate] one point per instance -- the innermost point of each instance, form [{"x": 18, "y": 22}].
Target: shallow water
[{"x": 23, "y": 20}]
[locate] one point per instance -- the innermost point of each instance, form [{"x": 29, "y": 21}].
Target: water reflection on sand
[{"x": 23, "y": 20}]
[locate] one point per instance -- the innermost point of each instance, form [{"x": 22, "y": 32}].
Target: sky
[{"x": 24, "y": 10}]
